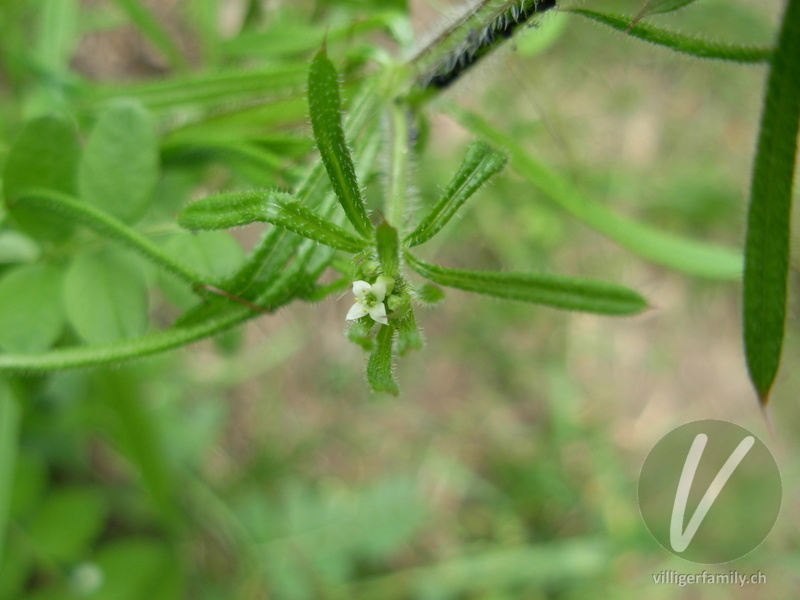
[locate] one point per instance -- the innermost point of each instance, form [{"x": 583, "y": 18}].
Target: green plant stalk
[
  {"x": 767, "y": 246},
  {"x": 675, "y": 41},
  {"x": 398, "y": 167},
  {"x": 109, "y": 227}
]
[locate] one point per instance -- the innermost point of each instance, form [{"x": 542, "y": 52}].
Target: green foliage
[
  {"x": 44, "y": 156},
  {"x": 697, "y": 47},
  {"x": 480, "y": 164},
  {"x": 105, "y": 297},
  {"x": 769, "y": 216},
  {"x": 160, "y": 479},
  {"x": 540, "y": 288},
  {"x": 31, "y": 320},
  {"x": 324, "y": 105},
  {"x": 379, "y": 365},
  {"x": 119, "y": 167}
]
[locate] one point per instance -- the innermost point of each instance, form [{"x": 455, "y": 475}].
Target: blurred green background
[{"x": 257, "y": 465}]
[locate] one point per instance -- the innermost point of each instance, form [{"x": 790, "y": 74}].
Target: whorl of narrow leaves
[
  {"x": 480, "y": 163},
  {"x": 325, "y": 106},
  {"x": 220, "y": 211},
  {"x": 540, "y": 288},
  {"x": 379, "y": 365},
  {"x": 768, "y": 223}
]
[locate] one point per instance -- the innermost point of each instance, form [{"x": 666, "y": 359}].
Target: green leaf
[
  {"x": 409, "y": 337},
  {"x": 480, "y": 164},
  {"x": 214, "y": 254},
  {"x": 44, "y": 156},
  {"x": 675, "y": 41},
  {"x": 230, "y": 209},
  {"x": 105, "y": 297},
  {"x": 57, "y": 35},
  {"x": 541, "y": 288},
  {"x": 32, "y": 317},
  {"x": 17, "y": 248},
  {"x": 9, "y": 431},
  {"x": 67, "y": 522},
  {"x": 138, "y": 568},
  {"x": 325, "y": 107},
  {"x": 429, "y": 294},
  {"x": 379, "y": 365},
  {"x": 388, "y": 249},
  {"x": 689, "y": 256},
  {"x": 119, "y": 168},
  {"x": 769, "y": 217},
  {"x": 360, "y": 332}
]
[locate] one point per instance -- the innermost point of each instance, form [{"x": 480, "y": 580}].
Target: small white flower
[{"x": 369, "y": 300}]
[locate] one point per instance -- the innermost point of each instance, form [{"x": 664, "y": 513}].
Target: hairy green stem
[{"x": 109, "y": 227}]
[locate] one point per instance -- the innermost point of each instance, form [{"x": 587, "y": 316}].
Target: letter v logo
[{"x": 680, "y": 539}]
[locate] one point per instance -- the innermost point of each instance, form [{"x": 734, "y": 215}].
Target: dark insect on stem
[{"x": 480, "y": 42}]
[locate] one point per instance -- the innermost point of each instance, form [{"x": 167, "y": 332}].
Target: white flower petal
[
  {"x": 356, "y": 311},
  {"x": 379, "y": 289},
  {"x": 361, "y": 289},
  {"x": 378, "y": 313}
]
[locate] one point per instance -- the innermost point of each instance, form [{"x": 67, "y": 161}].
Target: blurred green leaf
[
  {"x": 57, "y": 35},
  {"x": 429, "y": 294},
  {"x": 325, "y": 106},
  {"x": 32, "y": 316},
  {"x": 119, "y": 167},
  {"x": 540, "y": 288},
  {"x": 17, "y": 248},
  {"x": 44, "y": 156},
  {"x": 676, "y": 41},
  {"x": 138, "y": 569},
  {"x": 360, "y": 332},
  {"x": 105, "y": 297},
  {"x": 67, "y": 522},
  {"x": 480, "y": 164},
  {"x": 769, "y": 216},
  {"x": 690, "y": 256},
  {"x": 214, "y": 254},
  {"x": 379, "y": 365},
  {"x": 9, "y": 440}
]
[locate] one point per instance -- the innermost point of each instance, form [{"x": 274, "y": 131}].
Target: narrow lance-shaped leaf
[
  {"x": 689, "y": 256},
  {"x": 220, "y": 211},
  {"x": 569, "y": 293},
  {"x": 325, "y": 106},
  {"x": 409, "y": 337},
  {"x": 676, "y": 41},
  {"x": 379, "y": 365},
  {"x": 388, "y": 249},
  {"x": 480, "y": 163},
  {"x": 768, "y": 222}
]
